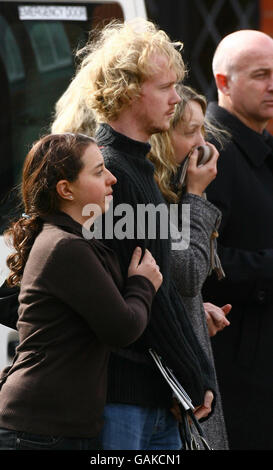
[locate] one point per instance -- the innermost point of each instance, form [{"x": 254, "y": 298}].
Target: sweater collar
[
  {"x": 63, "y": 220},
  {"x": 106, "y": 135},
  {"x": 256, "y": 146}
]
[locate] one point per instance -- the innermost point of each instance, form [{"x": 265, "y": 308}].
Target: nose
[
  {"x": 175, "y": 98},
  {"x": 270, "y": 84},
  {"x": 110, "y": 178},
  {"x": 200, "y": 139}
]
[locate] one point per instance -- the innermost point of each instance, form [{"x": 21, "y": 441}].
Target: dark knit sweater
[{"x": 133, "y": 378}]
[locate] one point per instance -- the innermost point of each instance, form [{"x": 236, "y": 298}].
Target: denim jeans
[
  {"x": 17, "y": 440},
  {"x": 130, "y": 427}
]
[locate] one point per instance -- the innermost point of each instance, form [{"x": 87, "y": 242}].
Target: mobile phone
[{"x": 204, "y": 154}]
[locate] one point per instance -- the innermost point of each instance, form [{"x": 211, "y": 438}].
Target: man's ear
[
  {"x": 63, "y": 190},
  {"x": 222, "y": 83}
]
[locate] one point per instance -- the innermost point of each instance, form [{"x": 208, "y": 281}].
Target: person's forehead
[
  {"x": 160, "y": 63},
  {"x": 161, "y": 70},
  {"x": 92, "y": 156},
  {"x": 254, "y": 59},
  {"x": 158, "y": 59},
  {"x": 193, "y": 113}
]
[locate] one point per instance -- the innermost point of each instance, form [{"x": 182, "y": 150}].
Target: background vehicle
[{"x": 37, "y": 44}]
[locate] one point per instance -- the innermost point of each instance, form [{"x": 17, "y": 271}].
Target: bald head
[
  {"x": 237, "y": 47},
  {"x": 243, "y": 71}
]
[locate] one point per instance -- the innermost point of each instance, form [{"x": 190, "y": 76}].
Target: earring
[{"x": 70, "y": 197}]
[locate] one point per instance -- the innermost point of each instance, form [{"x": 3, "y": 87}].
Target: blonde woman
[{"x": 191, "y": 266}]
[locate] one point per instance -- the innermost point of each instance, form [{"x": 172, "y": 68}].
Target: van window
[{"x": 37, "y": 45}]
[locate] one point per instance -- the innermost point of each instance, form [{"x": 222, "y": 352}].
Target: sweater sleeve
[
  {"x": 191, "y": 264},
  {"x": 126, "y": 197},
  {"x": 75, "y": 276}
]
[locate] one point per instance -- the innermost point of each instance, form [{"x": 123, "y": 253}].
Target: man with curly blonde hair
[
  {"x": 117, "y": 62},
  {"x": 127, "y": 77}
]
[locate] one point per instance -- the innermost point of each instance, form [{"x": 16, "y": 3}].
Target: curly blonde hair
[
  {"x": 72, "y": 114},
  {"x": 162, "y": 153},
  {"x": 114, "y": 65}
]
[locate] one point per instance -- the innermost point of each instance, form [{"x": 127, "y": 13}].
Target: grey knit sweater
[{"x": 190, "y": 267}]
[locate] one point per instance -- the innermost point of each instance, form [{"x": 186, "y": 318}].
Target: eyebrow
[
  {"x": 260, "y": 69},
  {"x": 168, "y": 83},
  {"x": 194, "y": 124},
  {"x": 98, "y": 165}
]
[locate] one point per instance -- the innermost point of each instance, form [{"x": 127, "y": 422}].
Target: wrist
[{"x": 195, "y": 191}]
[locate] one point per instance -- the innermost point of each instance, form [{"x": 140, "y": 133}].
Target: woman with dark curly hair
[{"x": 74, "y": 305}]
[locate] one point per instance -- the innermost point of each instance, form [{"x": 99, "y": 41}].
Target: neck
[
  {"x": 130, "y": 127},
  {"x": 70, "y": 210},
  {"x": 252, "y": 123},
  {"x": 75, "y": 212}
]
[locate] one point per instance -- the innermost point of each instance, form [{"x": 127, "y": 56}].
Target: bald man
[{"x": 243, "y": 191}]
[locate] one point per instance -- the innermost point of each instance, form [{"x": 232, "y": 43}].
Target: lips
[{"x": 109, "y": 196}]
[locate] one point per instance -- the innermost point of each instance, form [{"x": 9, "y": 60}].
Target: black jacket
[{"x": 243, "y": 191}]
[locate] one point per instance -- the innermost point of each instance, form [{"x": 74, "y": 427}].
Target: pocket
[{"x": 27, "y": 441}]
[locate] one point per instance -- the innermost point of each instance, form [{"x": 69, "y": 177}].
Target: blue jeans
[
  {"x": 130, "y": 427},
  {"x": 17, "y": 440}
]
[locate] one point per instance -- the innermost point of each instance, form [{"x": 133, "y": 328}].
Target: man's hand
[
  {"x": 216, "y": 317},
  {"x": 204, "y": 410}
]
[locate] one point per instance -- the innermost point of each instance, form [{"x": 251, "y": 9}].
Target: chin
[
  {"x": 267, "y": 112},
  {"x": 264, "y": 120},
  {"x": 269, "y": 116},
  {"x": 162, "y": 128}
]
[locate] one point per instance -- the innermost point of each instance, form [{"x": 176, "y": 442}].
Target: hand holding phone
[{"x": 205, "y": 153}]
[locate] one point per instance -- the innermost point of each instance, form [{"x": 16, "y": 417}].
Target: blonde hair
[
  {"x": 162, "y": 152},
  {"x": 72, "y": 114},
  {"x": 114, "y": 65}
]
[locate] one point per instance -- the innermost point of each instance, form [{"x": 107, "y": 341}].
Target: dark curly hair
[{"x": 52, "y": 158}]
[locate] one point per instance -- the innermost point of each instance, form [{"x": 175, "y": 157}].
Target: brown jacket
[{"x": 74, "y": 307}]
